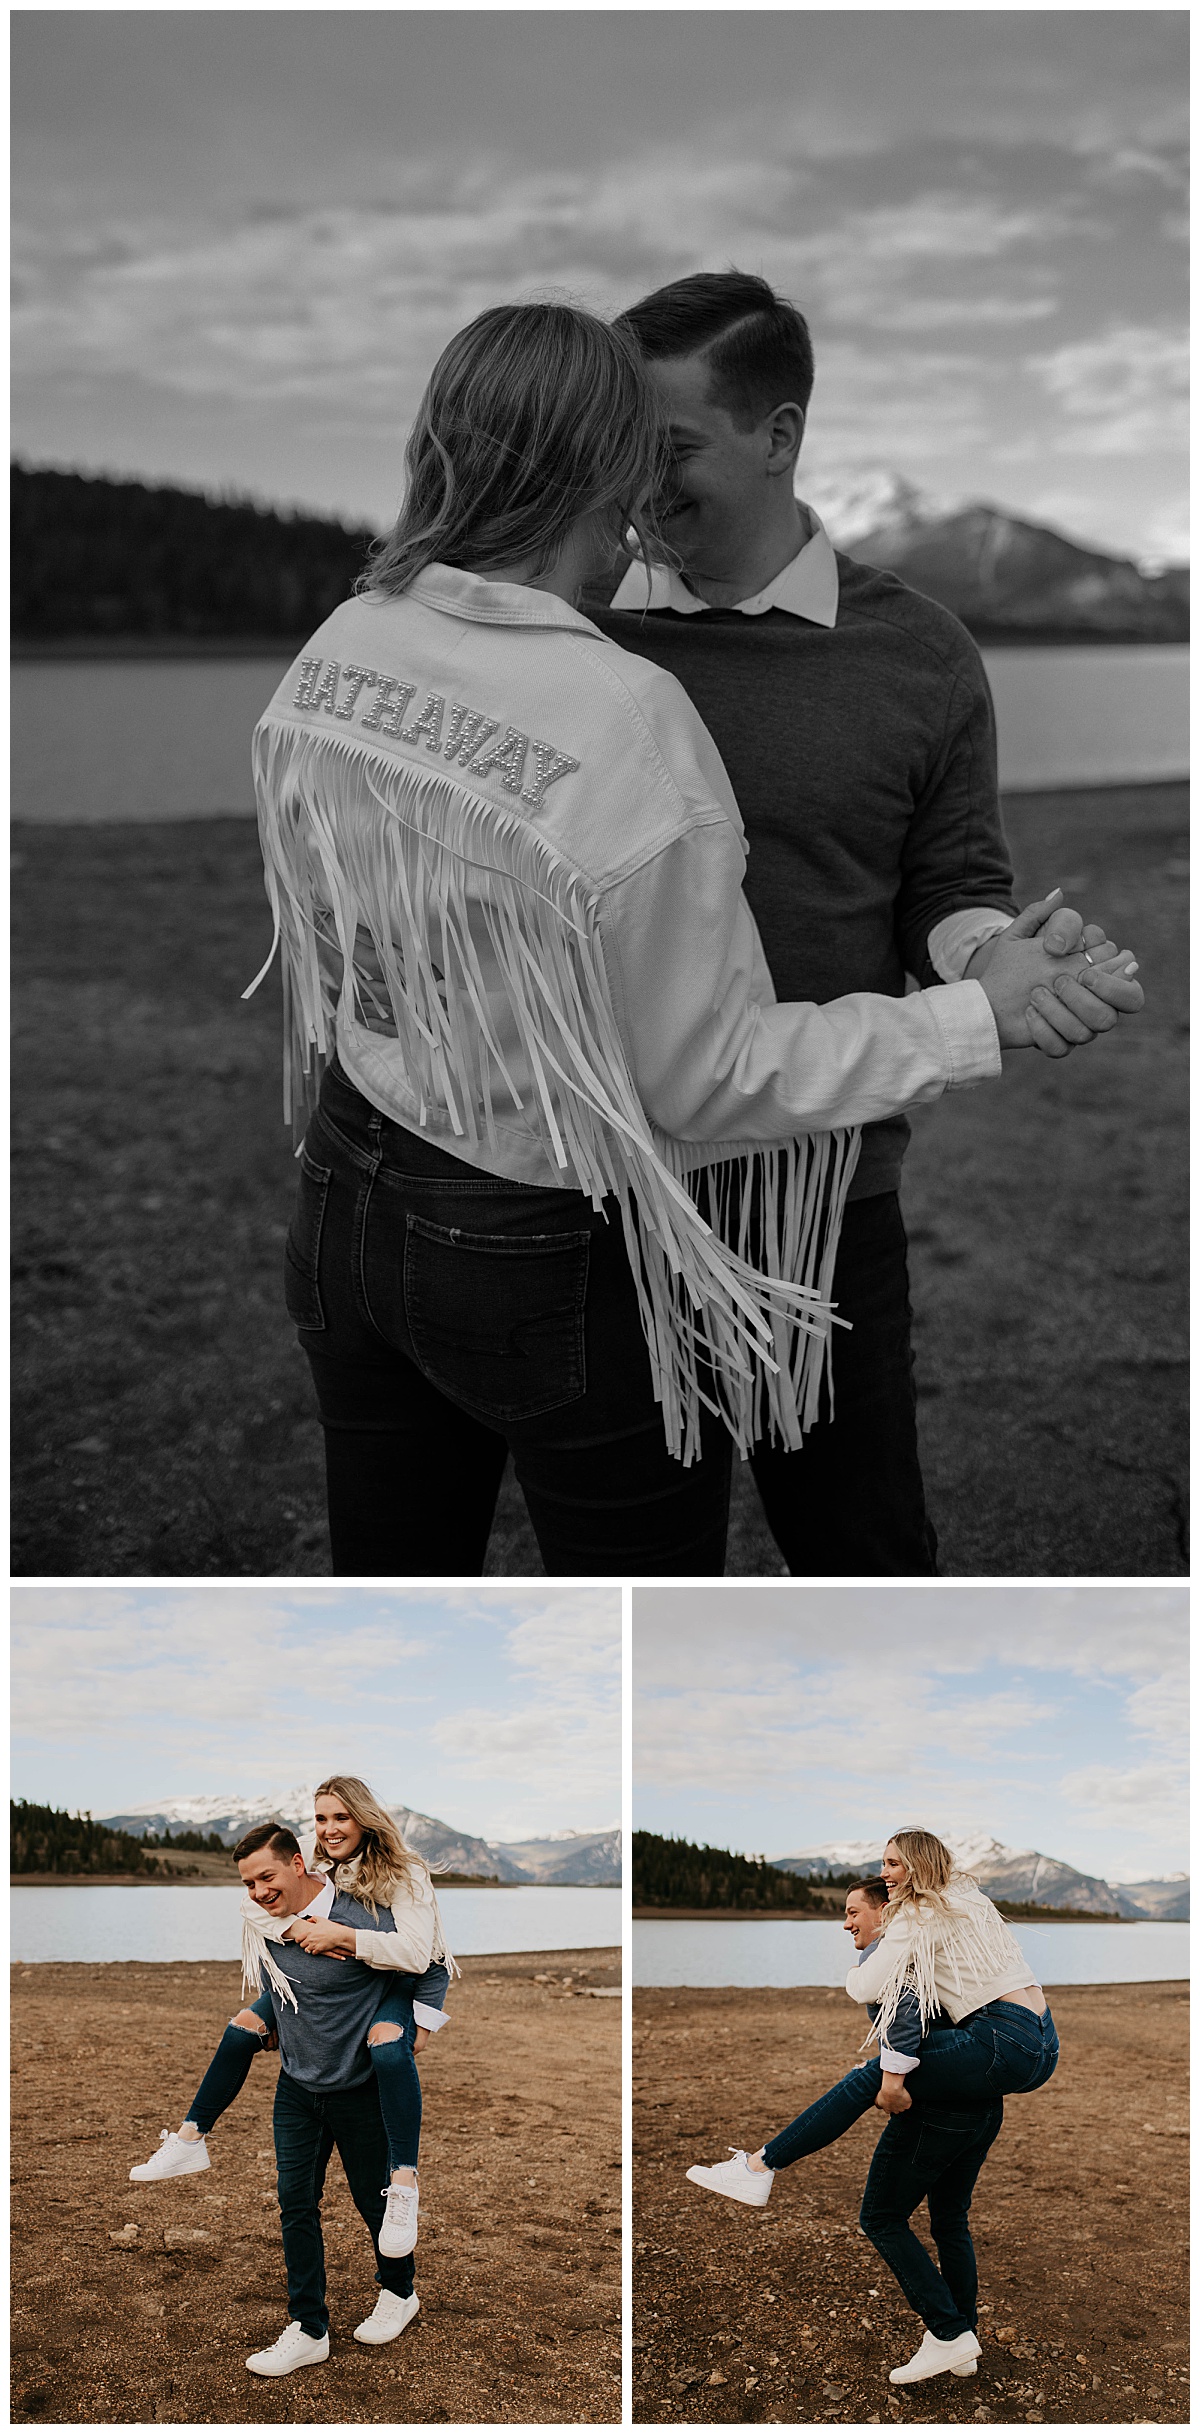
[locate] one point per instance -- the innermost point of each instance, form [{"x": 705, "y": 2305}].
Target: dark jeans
[
  {"x": 1003, "y": 2050},
  {"x": 852, "y": 1499},
  {"x": 448, "y": 1317},
  {"x": 935, "y": 2152},
  {"x": 307, "y": 2129},
  {"x": 394, "y": 2065}
]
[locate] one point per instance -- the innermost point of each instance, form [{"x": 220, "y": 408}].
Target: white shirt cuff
[
  {"x": 968, "y": 1029},
  {"x": 426, "y": 2017},
  {"x": 952, "y": 942},
  {"x": 888, "y": 2061}
]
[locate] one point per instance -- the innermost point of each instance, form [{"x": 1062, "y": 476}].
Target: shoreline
[
  {"x": 597, "y": 1957},
  {"x": 190, "y": 1884},
  {"x": 1016, "y": 1918}
]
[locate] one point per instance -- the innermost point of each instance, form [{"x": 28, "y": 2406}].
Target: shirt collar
[
  {"x": 322, "y": 1902},
  {"x": 486, "y": 603},
  {"x": 806, "y": 587}
]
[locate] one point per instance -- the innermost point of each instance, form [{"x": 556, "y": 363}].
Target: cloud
[{"x": 1120, "y": 393}]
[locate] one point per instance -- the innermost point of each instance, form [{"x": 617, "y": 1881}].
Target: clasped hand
[
  {"x": 316, "y": 1935},
  {"x": 1053, "y": 983}
]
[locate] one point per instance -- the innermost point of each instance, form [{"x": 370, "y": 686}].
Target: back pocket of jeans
[
  {"x": 496, "y": 1321},
  {"x": 302, "y": 1256}
]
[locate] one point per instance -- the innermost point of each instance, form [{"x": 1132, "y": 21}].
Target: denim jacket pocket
[
  {"x": 302, "y": 1255},
  {"x": 496, "y": 1320}
]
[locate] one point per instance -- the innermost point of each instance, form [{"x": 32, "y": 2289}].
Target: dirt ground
[
  {"x": 518, "y": 2264},
  {"x": 788, "y": 2316}
]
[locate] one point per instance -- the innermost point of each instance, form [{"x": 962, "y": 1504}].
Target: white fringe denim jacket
[{"x": 531, "y": 838}]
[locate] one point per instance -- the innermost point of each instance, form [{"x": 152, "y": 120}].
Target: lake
[
  {"x": 797, "y": 1952},
  {"x": 169, "y": 739},
  {"x": 200, "y": 1923}
]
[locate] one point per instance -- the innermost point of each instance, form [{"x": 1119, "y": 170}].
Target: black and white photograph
[{"x": 600, "y": 839}]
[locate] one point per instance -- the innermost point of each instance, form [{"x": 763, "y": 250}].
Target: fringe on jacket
[
  {"x": 966, "y": 1937},
  {"x": 353, "y": 838}
]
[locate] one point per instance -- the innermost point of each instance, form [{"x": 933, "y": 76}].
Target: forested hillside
[
  {"x": 45, "y": 1842},
  {"x": 95, "y": 559},
  {"x": 669, "y": 1873}
]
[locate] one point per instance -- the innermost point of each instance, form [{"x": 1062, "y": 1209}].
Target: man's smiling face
[
  {"x": 723, "y": 485},
  {"x": 274, "y": 1881}
]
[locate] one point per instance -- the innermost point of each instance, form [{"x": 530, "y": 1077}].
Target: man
[
  {"x": 325, "y": 2097},
  {"x": 933, "y": 2150},
  {"x": 855, "y": 722}
]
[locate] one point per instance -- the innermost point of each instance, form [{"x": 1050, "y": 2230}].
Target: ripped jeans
[{"x": 393, "y": 2063}]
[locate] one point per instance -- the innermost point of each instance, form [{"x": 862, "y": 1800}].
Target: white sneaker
[
  {"x": 388, "y": 2317},
  {"x": 734, "y": 2179},
  {"x": 294, "y": 2348},
  {"x": 398, "y": 2230},
  {"x": 936, "y": 2357},
  {"x": 175, "y": 2155}
]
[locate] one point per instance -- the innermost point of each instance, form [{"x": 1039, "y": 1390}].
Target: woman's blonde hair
[
  {"x": 385, "y": 1860},
  {"x": 930, "y": 1866},
  {"x": 535, "y": 415}
]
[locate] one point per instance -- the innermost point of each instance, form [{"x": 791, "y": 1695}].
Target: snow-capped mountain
[
  {"x": 1161, "y": 1896},
  {"x": 1006, "y": 577},
  {"x": 866, "y": 498},
  {"x": 1016, "y": 1876},
  {"x": 564, "y": 1856}
]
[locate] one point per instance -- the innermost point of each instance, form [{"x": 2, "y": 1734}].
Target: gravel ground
[
  {"x": 788, "y": 2316},
  {"x": 519, "y": 2257}
]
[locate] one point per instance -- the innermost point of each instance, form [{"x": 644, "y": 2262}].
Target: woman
[
  {"x": 360, "y": 1850},
  {"x": 944, "y": 1948},
  {"x": 505, "y": 865}
]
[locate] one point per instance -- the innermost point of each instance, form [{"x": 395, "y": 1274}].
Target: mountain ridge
[
  {"x": 563, "y": 1857},
  {"x": 1008, "y": 578},
  {"x": 1024, "y": 1876}
]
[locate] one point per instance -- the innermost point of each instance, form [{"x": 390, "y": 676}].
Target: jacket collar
[
  {"x": 806, "y": 587},
  {"x": 483, "y": 602}
]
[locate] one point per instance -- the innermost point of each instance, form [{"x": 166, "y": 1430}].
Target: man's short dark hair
[
  {"x": 280, "y": 1837},
  {"x": 757, "y": 345},
  {"x": 874, "y": 1887}
]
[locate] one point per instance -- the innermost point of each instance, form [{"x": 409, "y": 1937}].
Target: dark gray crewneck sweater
[
  {"x": 863, "y": 758},
  {"x": 323, "y": 2043}
]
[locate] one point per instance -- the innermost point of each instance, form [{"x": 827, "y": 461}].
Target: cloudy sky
[
  {"x": 497, "y": 1710},
  {"x": 1053, "y": 1719},
  {"x": 241, "y": 238}
]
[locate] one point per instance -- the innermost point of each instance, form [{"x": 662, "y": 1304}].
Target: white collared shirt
[
  {"x": 808, "y": 587},
  {"x": 321, "y": 1903}
]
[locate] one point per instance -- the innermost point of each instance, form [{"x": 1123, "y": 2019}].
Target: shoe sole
[
  {"x": 693, "y": 2174},
  {"x": 378, "y": 2341},
  {"x": 969, "y": 2369},
  {"x": 186, "y": 2172},
  {"x": 273, "y": 2374}
]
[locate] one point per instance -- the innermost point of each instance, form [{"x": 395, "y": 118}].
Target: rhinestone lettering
[
  {"x": 429, "y": 724},
  {"x": 310, "y": 669},
  {"x": 356, "y": 678},
  {"x": 385, "y": 714},
  {"x": 507, "y": 758},
  {"x": 323, "y": 696},
  {"x": 469, "y": 729},
  {"x": 551, "y": 766}
]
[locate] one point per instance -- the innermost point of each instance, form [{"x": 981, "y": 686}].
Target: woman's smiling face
[
  {"x": 337, "y": 1830},
  {"x": 892, "y": 1869}
]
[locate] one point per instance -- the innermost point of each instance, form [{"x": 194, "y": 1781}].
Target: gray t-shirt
[{"x": 323, "y": 2043}]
